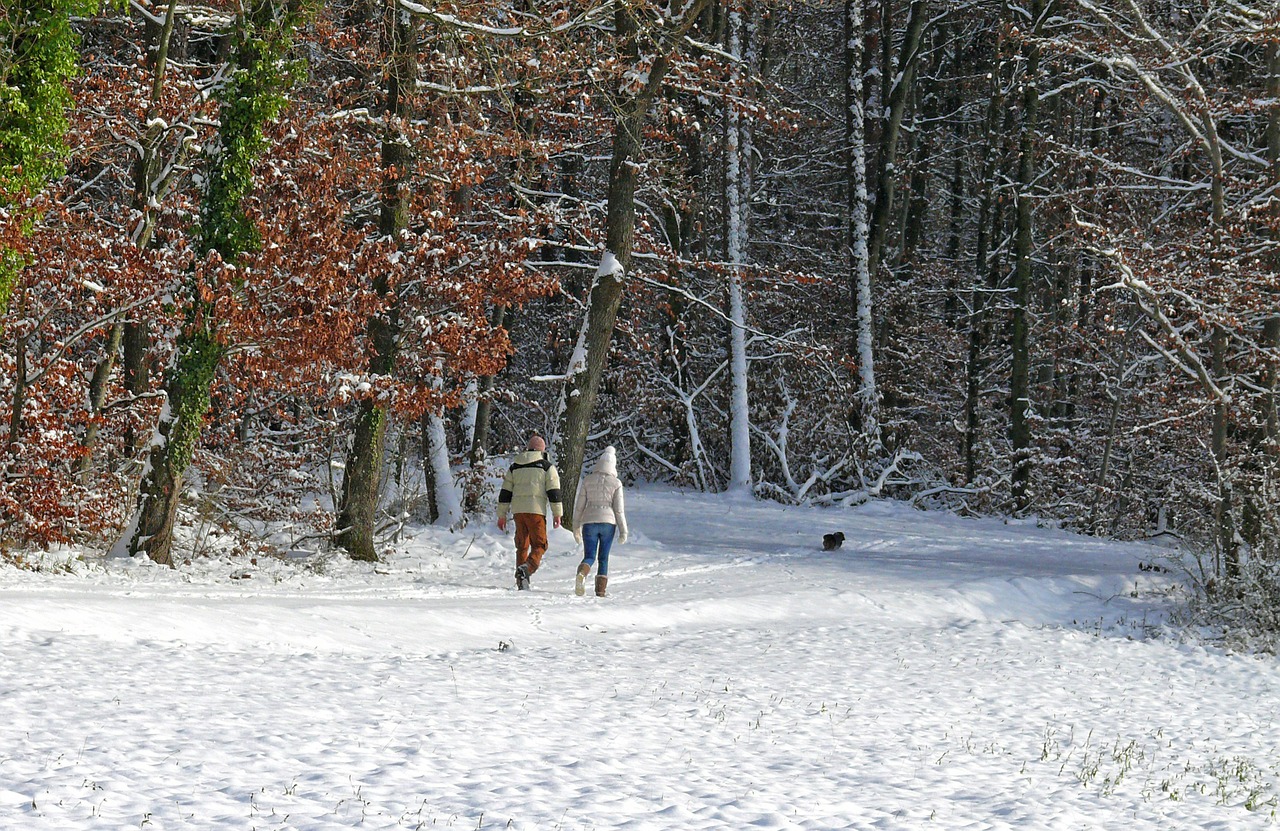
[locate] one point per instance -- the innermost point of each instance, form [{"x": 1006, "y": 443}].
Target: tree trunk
[
  {"x": 362, "y": 477},
  {"x": 859, "y": 231},
  {"x": 1221, "y": 414},
  {"x": 1219, "y": 341},
  {"x": 736, "y": 237},
  {"x": 591, "y": 355},
  {"x": 135, "y": 369},
  {"x": 956, "y": 203},
  {"x": 1084, "y": 289},
  {"x": 920, "y": 144},
  {"x": 262, "y": 29},
  {"x": 590, "y": 358},
  {"x": 895, "y": 108},
  {"x": 362, "y": 483},
  {"x": 1273, "y": 122},
  {"x": 1024, "y": 246},
  {"x": 178, "y": 434},
  {"x": 1109, "y": 440},
  {"x": 1271, "y": 329},
  {"x": 19, "y": 388},
  {"x": 1271, "y": 418},
  {"x": 484, "y": 404},
  {"x": 146, "y": 173},
  {"x": 98, "y": 396},
  {"x": 679, "y": 221},
  {"x": 447, "y": 506},
  {"x": 990, "y": 220}
]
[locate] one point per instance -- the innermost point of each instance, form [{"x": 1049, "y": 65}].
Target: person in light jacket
[
  {"x": 599, "y": 513},
  {"x": 531, "y": 486}
]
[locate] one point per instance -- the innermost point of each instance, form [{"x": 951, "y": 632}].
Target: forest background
[{"x": 298, "y": 269}]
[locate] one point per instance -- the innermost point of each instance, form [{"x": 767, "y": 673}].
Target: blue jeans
[{"x": 597, "y": 537}]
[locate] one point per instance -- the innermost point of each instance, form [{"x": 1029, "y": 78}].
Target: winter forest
[{"x": 298, "y": 270}]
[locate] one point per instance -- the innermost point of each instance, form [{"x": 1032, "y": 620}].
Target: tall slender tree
[
  {"x": 151, "y": 180},
  {"x": 858, "y": 232},
  {"x": 362, "y": 476},
  {"x": 646, "y": 46},
  {"x": 900, "y": 88},
  {"x": 737, "y": 235},
  {"x": 1020, "y": 412},
  {"x": 988, "y": 222}
]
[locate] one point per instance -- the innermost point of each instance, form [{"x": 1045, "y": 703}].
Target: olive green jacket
[{"x": 532, "y": 484}]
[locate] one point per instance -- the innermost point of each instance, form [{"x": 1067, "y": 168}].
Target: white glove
[
  {"x": 577, "y": 535},
  {"x": 622, "y": 537}
]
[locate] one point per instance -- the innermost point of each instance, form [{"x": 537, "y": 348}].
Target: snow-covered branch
[
  {"x": 591, "y": 17},
  {"x": 1183, "y": 355},
  {"x": 66, "y": 343}
]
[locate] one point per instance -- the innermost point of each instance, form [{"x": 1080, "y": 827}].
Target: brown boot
[
  {"x": 601, "y": 582},
  {"x": 578, "y": 582}
]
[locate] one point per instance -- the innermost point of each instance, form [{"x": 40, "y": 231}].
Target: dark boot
[
  {"x": 578, "y": 582},
  {"x": 522, "y": 577},
  {"x": 601, "y": 582}
]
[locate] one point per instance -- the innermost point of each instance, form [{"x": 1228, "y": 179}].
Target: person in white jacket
[{"x": 599, "y": 513}]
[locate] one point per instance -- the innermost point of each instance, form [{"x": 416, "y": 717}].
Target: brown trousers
[{"x": 531, "y": 540}]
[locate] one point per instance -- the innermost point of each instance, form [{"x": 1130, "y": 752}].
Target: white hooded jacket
[{"x": 600, "y": 499}]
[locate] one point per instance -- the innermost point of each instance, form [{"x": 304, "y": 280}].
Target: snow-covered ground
[{"x": 936, "y": 672}]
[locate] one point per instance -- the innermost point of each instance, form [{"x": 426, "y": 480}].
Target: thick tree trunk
[
  {"x": 199, "y": 349},
  {"x": 177, "y": 436},
  {"x": 435, "y": 440},
  {"x": 362, "y": 483},
  {"x": 362, "y": 477},
  {"x": 589, "y": 360}
]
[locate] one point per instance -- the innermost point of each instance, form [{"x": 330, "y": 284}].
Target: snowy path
[{"x": 935, "y": 673}]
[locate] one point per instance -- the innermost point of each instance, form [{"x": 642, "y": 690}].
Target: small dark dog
[{"x": 830, "y": 542}]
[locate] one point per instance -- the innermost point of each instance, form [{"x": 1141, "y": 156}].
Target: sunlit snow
[{"x": 935, "y": 672}]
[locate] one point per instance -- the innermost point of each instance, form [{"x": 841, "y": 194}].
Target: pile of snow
[{"x": 933, "y": 672}]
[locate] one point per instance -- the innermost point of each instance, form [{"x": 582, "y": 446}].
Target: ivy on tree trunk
[
  {"x": 252, "y": 98},
  {"x": 37, "y": 57}
]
